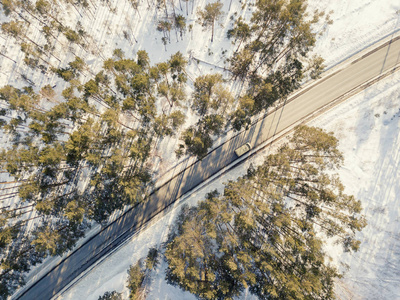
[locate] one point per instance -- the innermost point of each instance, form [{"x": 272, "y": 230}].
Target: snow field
[
  {"x": 371, "y": 160},
  {"x": 367, "y": 126}
]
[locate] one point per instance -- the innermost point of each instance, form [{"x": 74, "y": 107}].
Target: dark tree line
[
  {"x": 271, "y": 54},
  {"x": 211, "y": 100},
  {"x": 82, "y": 157},
  {"x": 270, "y": 61},
  {"x": 267, "y": 231},
  {"x": 270, "y": 57}
]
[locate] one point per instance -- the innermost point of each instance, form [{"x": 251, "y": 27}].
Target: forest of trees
[
  {"x": 95, "y": 134},
  {"x": 76, "y": 157},
  {"x": 270, "y": 55},
  {"x": 270, "y": 61},
  {"x": 267, "y": 231},
  {"x": 270, "y": 64}
]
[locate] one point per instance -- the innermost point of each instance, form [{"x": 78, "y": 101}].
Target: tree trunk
[
  {"x": 8, "y": 57},
  {"x": 9, "y": 182},
  {"x": 212, "y": 32},
  {"x": 166, "y": 11},
  {"x": 18, "y": 208},
  {"x": 173, "y": 8},
  {"x": 176, "y": 33},
  {"x": 230, "y": 4},
  {"x": 57, "y": 184}
]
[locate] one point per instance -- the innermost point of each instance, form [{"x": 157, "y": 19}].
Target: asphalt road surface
[{"x": 329, "y": 89}]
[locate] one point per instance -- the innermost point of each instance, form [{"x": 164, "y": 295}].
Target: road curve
[{"x": 328, "y": 89}]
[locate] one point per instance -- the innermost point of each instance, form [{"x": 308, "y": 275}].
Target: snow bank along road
[{"x": 382, "y": 59}]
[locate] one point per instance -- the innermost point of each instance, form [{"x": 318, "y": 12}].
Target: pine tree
[
  {"x": 180, "y": 24},
  {"x": 75, "y": 212},
  {"x": 46, "y": 239},
  {"x": 197, "y": 139},
  {"x": 110, "y": 296},
  {"x": 266, "y": 232},
  {"x": 271, "y": 49},
  {"x": 241, "y": 117},
  {"x": 7, "y": 233},
  {"x": 241, "y": 32},
  {"x": 55, "y": 145},
  {"x": 194, "y": 260},
  {"x": 165, "y": 27},
  {"x": 205, "y": 88},
  {"x": 13, "y": 28},
  {"x": 152, "y": 259},
  {"x": 135, "y": 280},
  {"x": 42, "y": 6},
  {"x": 210, "y": 15}
]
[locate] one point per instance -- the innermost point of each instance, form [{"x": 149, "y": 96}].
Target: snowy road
[{"x": 329, "y": 88}]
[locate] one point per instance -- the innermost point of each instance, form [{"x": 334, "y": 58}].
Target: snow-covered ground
[
  {"x": 368, "y": 128},
  {"x": 356, "y": 24},
  {"x": 368, "y": 141}
]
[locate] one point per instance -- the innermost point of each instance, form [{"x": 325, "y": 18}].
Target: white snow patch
[
  {"x": 367, "y": 126},
  {"x": 369, "y": 142}
]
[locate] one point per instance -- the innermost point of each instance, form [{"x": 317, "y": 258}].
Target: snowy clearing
[
  {"x": 367, "y": 126},
  {"x": 368, "y": 130}
]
